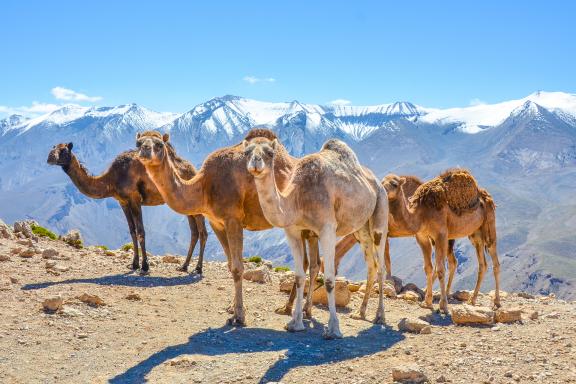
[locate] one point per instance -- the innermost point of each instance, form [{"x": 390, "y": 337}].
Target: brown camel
[
  {"x": 126, "y": 181},
  {"x": 447, "y": 207},
  {"x": 224, "y": 192},
  {"x": 332, "y": 195}
]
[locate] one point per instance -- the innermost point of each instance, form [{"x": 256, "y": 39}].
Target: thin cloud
[
  {"x": 340, "y": 102},
  {"x": 255, "y": 80},
  {"x": 32, "y": 110},
  {"x": 61, "y": 93},
  {"x": 475, "y": 102}
]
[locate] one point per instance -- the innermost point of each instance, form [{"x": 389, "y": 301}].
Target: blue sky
[{"x": 170, "y": 55}]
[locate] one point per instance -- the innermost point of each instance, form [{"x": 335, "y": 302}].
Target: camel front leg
[
  {"x": 478, "y": 243},
  {"x": 286, "y": 309},
  {"x": 370, "y": 259},
  {"x": 297, "y": 248},
  {"x": 387, "y": 260},
  {"x": 327, "y": 248},
  {"x": 194, "y": 235},
  {"x": 426, "y": 247},
  {"x": 132, "y": 227},
  {"x": 496, "y": 269},
  {"x": 441, "y": 246},
  {"x": 380, "y": 242},
  {"x": 235, "y": 242},
  {"x": 203, "y": 233},
  {"x": 452, "y": 265},
  {"x": 141, "y": 235},
  {"x": 314, "y": 267}
]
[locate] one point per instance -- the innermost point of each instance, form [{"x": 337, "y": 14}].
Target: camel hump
[
  {"x": 151, "y": 134},
  {"x": 456, "y": 188},
  {"x": 260, "y": 132},
  {"x": 342, "y": 149}
]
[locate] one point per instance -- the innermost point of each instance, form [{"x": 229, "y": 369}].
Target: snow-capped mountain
[{"x": 523, "y": 151}]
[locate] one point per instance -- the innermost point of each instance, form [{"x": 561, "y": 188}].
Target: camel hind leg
[
  {"x": 496, "y": 269},
  {"x": 194, "y": 236},
  {"x": 452, "y": 265},
  {"x": 203, "y": 233},
  {"x": 314, "y": 268},
  {"x": 286, "y": 309},
  {"x": 297, "y": 247},
  {"x": 478, "y": 243},
  {"x": 132, "y": 227},
  {"x": 366, "y": 243}
]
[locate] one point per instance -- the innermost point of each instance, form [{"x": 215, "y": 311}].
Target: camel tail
[{"x": 489, "y": 225}]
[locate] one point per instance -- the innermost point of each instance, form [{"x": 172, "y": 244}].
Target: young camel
[
  {"x": 126, "y": 181},
  {"x": 224, "y": 192},
  {"x": 331, "y": 194},
  {"x": 448, "y": 207}
]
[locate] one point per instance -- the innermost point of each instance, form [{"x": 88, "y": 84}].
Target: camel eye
[{"x": 268, "y": 151}]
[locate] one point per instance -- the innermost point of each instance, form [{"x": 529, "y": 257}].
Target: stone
[
  {"x": 397, "y": 283},
  {"x": 50, "y": 253},
  {"x": 4, "y": 258},
  {"x": 409, "y": 296},
  {"x": 50, "y": 264},
  {"x": 462, "y": 295},
  {"x": 341, "y": 293},
  {"x": 70, "y": 312},
  {"x": 6, "y": 232},
  {"x": 258, "y": 275},
  {"x": 412, "y": 325},
  {"x": 287, "y": 281},
  {"x": 534, "y": 315},
  {"x": 28, "y": 253},
  {"x": 25, "y": 228},
  {"x": 26, "y": 242},
  {"x": 508, "y": 315},
  {"x": 353, "y": 287},
  {"x": 551, "y": 315},
  {"x": 61, "y": 268},
  {"x": 52, "y": 304},
  {"x": 14, "y": 280},
  {"x": 411, "y": 287},
  {"x": 426, "y": 330},
  {"x": 525, "y": 295},
  {"x": 133, "y": 297},
  {"x": 409, "y": 373},
  {"x": 389, "y": 290},
  {"x": 92, "y": 300},
  {"x": 73, "y": 238},
  {"x": 171, "y": 259},
  {"x": 468, "y": 314}
]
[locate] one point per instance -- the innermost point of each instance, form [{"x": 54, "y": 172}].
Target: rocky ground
[{"x": 108, "y": 324}]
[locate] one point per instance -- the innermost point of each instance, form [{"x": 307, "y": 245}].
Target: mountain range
[{"x": 523, "y": 151}]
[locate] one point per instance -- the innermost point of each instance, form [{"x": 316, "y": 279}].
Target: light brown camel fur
[
  {"x": 126, "y": 181},
  {"x": 449, "y": 206},
  {"x": 224, "y": 192},
  {"x": 330, "y": 194}
]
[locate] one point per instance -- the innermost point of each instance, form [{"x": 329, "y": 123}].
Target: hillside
[{"x": 169, "y": 327}]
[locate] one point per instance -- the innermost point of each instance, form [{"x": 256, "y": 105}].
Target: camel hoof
[
  {"x": 198, "y": 271},
  {"x": 294, "y": 326},
  {"x": 133, "y": 267},
  {"x": 145, "y": 267},
  {"x": 144, "y": 272},
  {"x": 307, "y": 314},
  {"x": 358, "y": 315},
  {"x": 284, "y": 310},
  {"x": 236, "y": 321},
  {"x": 426, "y": 305},
  {"x": 496, "y": 305},
  {"x": 331, "y": 335},
  {"x": 380, "y": 319},
  {"x": 183, "y": 268},
  {"x": 444, "y": 308}
]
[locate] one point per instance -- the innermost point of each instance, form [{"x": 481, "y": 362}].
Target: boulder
[
  {"x": 412, "y": 325},
  {"x": 468, "y": 314},
  {"x": 52, "y": 304},
  {"x": 397, "y": 283},
  {"x": 462, "y": 295},
  {"x": 171, "y": 259},
  {"x": 6, "y": 232},
  {"x": 409, "y": 296},
  {"x": 258, "y": 275},
  {"x": 341, "y": 292},
  {"x": 50, "y": 253},
  {"x": 508, "y": 315},
  {"x": 411, "y": 287},
  {"x": 25, "y": 228},
  {"x": 389, "y": 289},
  {"x": 409, "y": 373},
  {"x": 92, "y": 300},
  {"x": 73, "y": 238}
]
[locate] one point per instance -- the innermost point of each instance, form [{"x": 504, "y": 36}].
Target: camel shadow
[
  {"x": 301, "y": 349},
  {"x": 125, "y": 280}
]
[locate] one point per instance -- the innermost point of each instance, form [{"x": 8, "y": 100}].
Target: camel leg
[
  {"x": 452, "y": 265},
  {"x": 496, "y": 267},
  {"x": 441, "y": 247},
  {"x": 223, "y": 239},
  {"x": 193, "y": 240},
  {"x": 342, "y": 247},
  {"x": 426, "y": 247},
  {"x": 297, "y": 247},
  {"x": 387, "y": 260},
  {"x": 136, "y": 259},
  {"x": 314, "y": 267},
  {"x": 369, "y": 257},
  {"x": 327, "y": 248},
  {"x": 235, "y": 242},
  {"x": 478, "y": 243},
  {"x": 203, "y": 233},
  {"x": 380, "y": 246},
  {"x": 141, "y": 235},
  {"x": 287, "y": 308}
]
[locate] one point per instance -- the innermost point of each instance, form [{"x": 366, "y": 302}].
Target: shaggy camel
[
  {"x": 127, "y": 181},
  {"x": 331, "y": 194},
  {"x": 447, "y": 207},
  {"x": 224, "y": 192}
]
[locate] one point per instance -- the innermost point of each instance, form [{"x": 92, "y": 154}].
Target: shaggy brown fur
[
  {"x": 260, "y": 132},
  {"x": 456, "y": 188}
]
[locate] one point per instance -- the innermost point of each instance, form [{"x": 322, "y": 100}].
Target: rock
[
  {"x": 525, "y": 295},
  {"x": 389, "y": 289},
  {"x": 426, "y": 330},
  {"x": 411, "y": 287},
  {"x": 551, "y": 315},
  {"x": 462, "y": 295},
  {"x": 268, "y": 264},
  {"x": 410, "y": 373},
  {"x": 468, "y": 314},
  {"x": 92, "y": 300},
  {"x": 258, "y": 275},
  {"x": 171, "y": 259},
  {"x": 73, "y": 238},
  {"x": 50, "y": 264},
  {"x": 503, "y": 294},
  {"x": 287, "y": 281},
  {"x": 341, "y": 292},
  {"x": 4, "y": 258},
  {"x": 14, "y": 280},
  {"x": 397, "y": 283},
  {"x": 61, "y": 268},
  {"x": 70, "y": 312},
  {"x": 25, "y": 228},
  {"x": 28, "y": 253},
  {"x": 6, "y": 232},
  {"x": 50, "y": 253},
  {"x": 26, "y": 242},
  {"x": 133, "y": 297},
  {"x": 409, "y": 296},
  {"x": 353, "y": 287},
  {"x": 412, "y": 325},
  {"x": 508, "y": 315},
  {"x": 16, "y": 251},
  {"x": 534, "y": 315},
  {"x": 52, "y": 304},
  {"x": 441, "y": 379}
]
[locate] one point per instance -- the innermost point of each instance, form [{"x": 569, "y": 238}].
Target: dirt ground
[{"x": 169, "y": 327}]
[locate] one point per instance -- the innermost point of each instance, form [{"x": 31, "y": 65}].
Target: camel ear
[
  {"x": 138, "y": 135},
  {"x": 273, "y": 144},
  {"x": 70, "y": 146},
  {"x": 401, "y": 181},
  {"x": 165, "y": 137},
  {"x": 244, "y": 144}
]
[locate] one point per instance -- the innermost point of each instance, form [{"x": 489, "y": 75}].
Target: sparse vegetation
[
  {"x": 43, "y": 232},
  {"x": 102, "y": 247},
  {"x": 281, "y": 269},
  {"x": 127, "y": 247},
  {"x": 109, "y": 253},
  {"x": 255, "y": 259}
]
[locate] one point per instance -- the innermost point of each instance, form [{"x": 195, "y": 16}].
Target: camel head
[
  {"x": 260, "y": 154},
  {"x": 393, "y": 185},
  {"x": 61, "y": 154},
  {"x": 152, "y": 147}
]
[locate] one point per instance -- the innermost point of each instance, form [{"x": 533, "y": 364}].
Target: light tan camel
[
  {"x": 331, "y": 194},
  {"x": 126, "y": 181},
  {"x": 224, "y": 192},
  {"x": 448, "y": 207}
]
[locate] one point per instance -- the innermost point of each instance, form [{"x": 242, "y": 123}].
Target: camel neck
[
  {"x": 183, "y": 196},
  {"x": 97, "y": 187},
  {"x": 275, "y": 206},
  {"x": 404, "y": 218}
]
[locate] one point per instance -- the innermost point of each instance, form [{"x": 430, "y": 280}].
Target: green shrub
[
  {"x": 102, "y": 247},
  {"x": 43, "y": 232},
  {"x": 127, "y": 247},
  {"x": 109, "y": 253},
  {"x": 255, "y": 259},
  {"x": 281, "y": 269}
]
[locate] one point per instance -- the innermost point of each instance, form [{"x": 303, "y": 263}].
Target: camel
[
  {"x": 332, "y": 195},
  {"x": 447, "y": 207},
  {"x": 224, "y": 192},
  {"x": 126, "y": 181}
]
